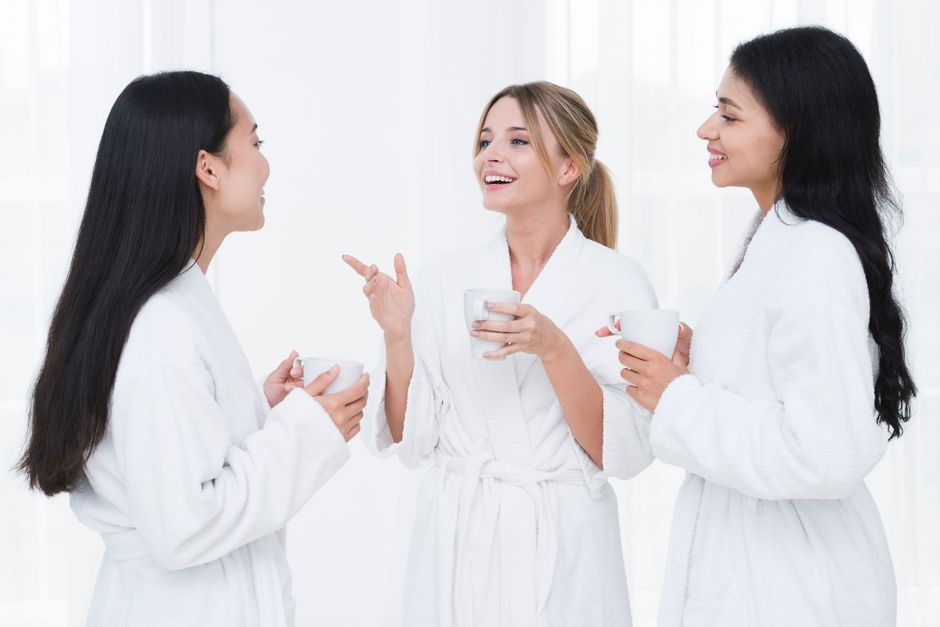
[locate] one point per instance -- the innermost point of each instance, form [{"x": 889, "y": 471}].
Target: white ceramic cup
[
  {"x": 349, "y": 371},
  {"x": 474, "y": 308},
  {"x": 655, "y": 328}
]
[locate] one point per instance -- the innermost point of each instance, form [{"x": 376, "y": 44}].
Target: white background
[{"x": 368, "y": 110}]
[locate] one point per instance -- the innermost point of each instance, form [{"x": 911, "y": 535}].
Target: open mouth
[
  {"x": 495, "y": 180},
  {"x": 716, "y": 158}
]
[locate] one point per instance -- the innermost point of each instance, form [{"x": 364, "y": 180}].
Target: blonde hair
[{"x": 592, "y": 200}]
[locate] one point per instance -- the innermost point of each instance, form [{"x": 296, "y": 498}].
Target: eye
[
  {"x": 519, "y": 142},
  {"x": 725, "y": 116},
  {"x": 484, "y": 143}
]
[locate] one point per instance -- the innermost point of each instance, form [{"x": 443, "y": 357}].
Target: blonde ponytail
[{"x": 593, "y": 202}]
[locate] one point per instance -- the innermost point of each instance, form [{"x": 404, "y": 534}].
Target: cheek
[{"x": 478, "y": 164}]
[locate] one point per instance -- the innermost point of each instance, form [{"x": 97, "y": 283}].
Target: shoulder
[
  {"x": 167, "y": 320},
  {"x": 602, "y": 256},
  {"x": 820, "y": 259}
]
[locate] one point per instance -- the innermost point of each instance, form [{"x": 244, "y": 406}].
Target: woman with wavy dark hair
[
  {"x": 145, "y": 409},
  {"x": 797, "y": 377}
]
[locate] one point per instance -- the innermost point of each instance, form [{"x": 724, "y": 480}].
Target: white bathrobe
[
  {"x": 515, "y": 525},
  {"x": 775, "y": 424},
  {"x": 194, "y": 482}
]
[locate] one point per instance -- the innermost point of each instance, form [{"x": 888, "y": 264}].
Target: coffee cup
[
  {"x": 475, "y": 303},
  {"x": 655, "y": 328},
  {"x": 349, "y": 371}
]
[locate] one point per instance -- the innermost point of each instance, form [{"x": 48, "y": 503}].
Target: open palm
[{"x": 391, "y": 300}]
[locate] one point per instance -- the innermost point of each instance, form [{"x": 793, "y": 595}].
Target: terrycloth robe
[
  {"x": 775, "y": 423},
  {"x": 197, "y": 476},
  {"x": 515, "y": 525}
]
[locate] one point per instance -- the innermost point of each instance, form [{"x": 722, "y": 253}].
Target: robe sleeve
[
  {"x": 626, "y": 425},
  {"x": 818, "y": 439},
  {"x": 193, "y": 493},
  {"x": 426, "y": 399}
]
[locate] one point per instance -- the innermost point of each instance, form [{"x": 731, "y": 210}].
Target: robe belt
[
  {"x": 125, "y": 545},
  {"x": 265, "y": 580},
  {"x": 537, "y": 484}
]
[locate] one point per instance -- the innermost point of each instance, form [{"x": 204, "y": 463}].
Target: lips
[
  {"x": 715, "y": 158},
  {"x": 493, "y": 178}
]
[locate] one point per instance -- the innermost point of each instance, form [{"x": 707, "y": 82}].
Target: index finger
[
  {"x": 514, "y": 309},
  {"x": 356, "y": 265},
  {"x": 637, "y": 350},
  {"x": 354, "y": 392}
]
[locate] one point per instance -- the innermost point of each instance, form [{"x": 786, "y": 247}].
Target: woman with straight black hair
[
  {"x": 145, "y": 409},
  {"x": 797, "y": 377}
]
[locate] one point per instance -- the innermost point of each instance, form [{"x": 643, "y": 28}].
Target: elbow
[
  {"x": 835, "y": 479},
  {"x": 176, "y": 553},
  {"x": 172, "y": 558}
]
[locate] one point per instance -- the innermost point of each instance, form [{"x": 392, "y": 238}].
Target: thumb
[
  {"x": 401, "y": 272},
  {"x": 323, "y": 381},
  {"x": 283, "y": 369}
]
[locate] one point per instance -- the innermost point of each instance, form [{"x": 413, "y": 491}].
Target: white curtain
[{"x": 368, "y": 110}]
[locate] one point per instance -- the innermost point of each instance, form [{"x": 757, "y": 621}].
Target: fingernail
[
  {"x": 334, "y": 369},
  {"x": 475, "y": 333},
  {"x": 491, "y": 305},
  {"x": 476, "y": 325}
]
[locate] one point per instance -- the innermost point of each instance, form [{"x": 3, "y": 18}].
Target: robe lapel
[
  {"x": 500, "y": 399},
  {"x": 555, "y": 290}
]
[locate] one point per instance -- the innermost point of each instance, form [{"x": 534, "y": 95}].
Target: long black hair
[
  {"x": 144, "y": 220},
  {"x": 820, "y": 94}
]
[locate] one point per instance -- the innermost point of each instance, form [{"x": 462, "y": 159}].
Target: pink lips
[
  {"x": 489, "y": 187},
  {"x": 715, "y": 162}
]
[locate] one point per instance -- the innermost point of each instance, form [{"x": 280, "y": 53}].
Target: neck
[
  {"x": 766, "y": 197},
  {"x": 207, "y": 248},
  {"x": 532, "y": 238}
]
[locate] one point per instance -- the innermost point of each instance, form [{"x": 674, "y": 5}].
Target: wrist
[
  {"x": 559, "y": 349},
  {"x": 398, "y": 341}
]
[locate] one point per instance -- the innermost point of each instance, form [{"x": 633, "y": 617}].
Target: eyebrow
[
  {"x": 511, "y": 128},
  {"x": 729, "y": 102}
]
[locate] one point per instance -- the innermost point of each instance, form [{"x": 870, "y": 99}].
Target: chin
[{"x": 491, "y": 204}]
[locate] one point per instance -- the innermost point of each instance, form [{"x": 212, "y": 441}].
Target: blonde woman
[{"x": 516, "y": 523}]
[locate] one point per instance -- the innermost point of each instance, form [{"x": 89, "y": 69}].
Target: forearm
[
  {"x": 400, "y": 362},
  {"x": 580, "y": 397}
]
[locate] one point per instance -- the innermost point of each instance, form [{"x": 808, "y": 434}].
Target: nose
[
  {"x": 708, "y": 130},
  {"x": 491, "y": 153}
]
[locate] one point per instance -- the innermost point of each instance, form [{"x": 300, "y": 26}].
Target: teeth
[
  {"x": 494, "y": 178},
  {"x": 719, "y": 156}
]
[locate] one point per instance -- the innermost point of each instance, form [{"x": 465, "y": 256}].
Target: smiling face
[
  {"x": 508, "y": 168},
  {"x": 744, "y": 145},
  {"x": 233, "y": 183}
]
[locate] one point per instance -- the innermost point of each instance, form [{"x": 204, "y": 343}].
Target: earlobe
[
  {"x": 570, "y": 174},
  {"x": 205, "y": 172}
]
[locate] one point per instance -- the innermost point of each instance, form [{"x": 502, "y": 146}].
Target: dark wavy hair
[
  {"x": 144, "y": 220},
  {"x": 820, "y": 95}
]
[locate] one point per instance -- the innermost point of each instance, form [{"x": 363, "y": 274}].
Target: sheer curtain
[{"x": 368, "y": 110}]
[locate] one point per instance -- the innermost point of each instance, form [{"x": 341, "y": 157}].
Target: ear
[
  {"x": 207, "y": 169},
  {"x": 570, "y": 172}
]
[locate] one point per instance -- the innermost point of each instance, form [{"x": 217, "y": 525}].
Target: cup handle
[
  {"x": 611, "y": 321},
  {"x": 483, "y": 313}
]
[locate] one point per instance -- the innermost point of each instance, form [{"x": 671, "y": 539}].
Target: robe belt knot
[{"x": 539, "y": 486}]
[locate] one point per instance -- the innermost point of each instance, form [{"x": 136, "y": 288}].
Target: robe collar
[
  {"x": 760, "y": 235},
  {"x": 555, "y": 291}
]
